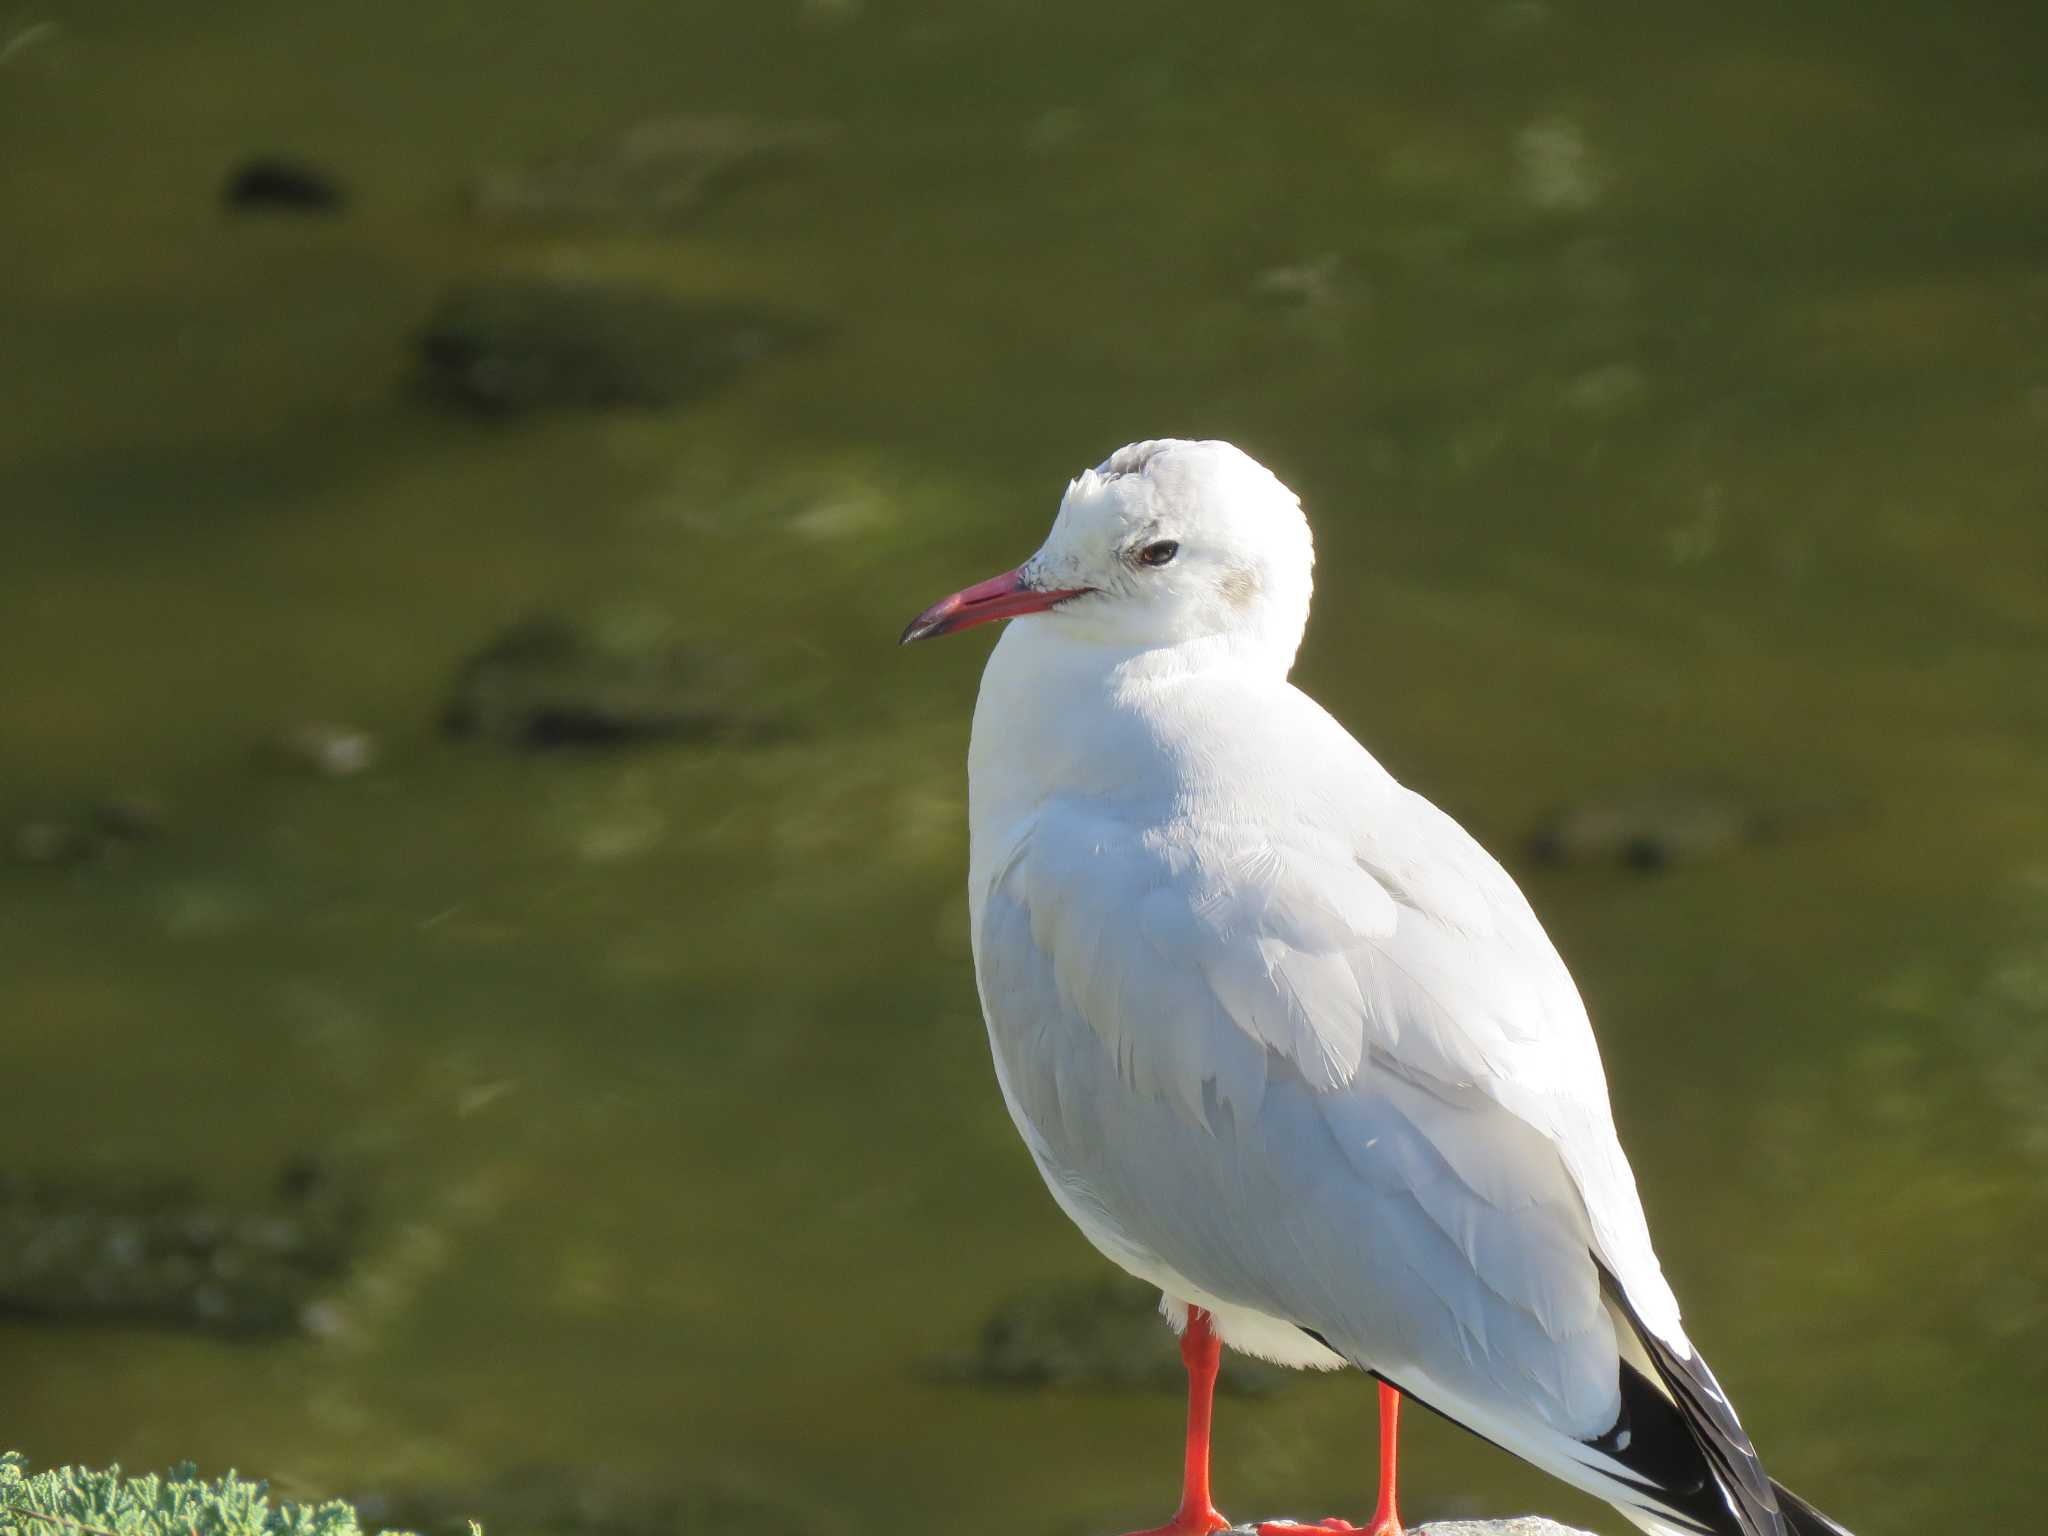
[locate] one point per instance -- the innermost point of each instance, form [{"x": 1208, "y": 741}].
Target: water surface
[{"x": 1667, "y": 392}]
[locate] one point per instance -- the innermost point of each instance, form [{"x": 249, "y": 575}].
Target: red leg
[
  {"x": 1386, "y": 1519},
  {"x": 1201, "y": 1353}
]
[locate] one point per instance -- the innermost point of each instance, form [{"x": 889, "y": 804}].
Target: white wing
[{"x": 1329, "y": 1069}]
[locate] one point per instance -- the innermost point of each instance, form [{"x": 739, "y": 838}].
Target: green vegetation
[{"x": 73, "y": 1502}]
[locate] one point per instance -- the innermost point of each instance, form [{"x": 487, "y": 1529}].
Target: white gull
[{"x": 1286, "y": 1042}]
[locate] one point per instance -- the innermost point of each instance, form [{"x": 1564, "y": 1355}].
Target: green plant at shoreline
[{"x": 72, "y": 1501}]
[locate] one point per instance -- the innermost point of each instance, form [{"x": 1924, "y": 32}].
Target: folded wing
[{"x": 1345, "y": 1081}]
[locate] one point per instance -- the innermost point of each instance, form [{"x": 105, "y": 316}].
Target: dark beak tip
[{"x": 1000, "y": 597}]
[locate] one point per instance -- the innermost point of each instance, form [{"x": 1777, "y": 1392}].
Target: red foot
[
  {"x": 1386, "y": 1516},
  {"x": 1189, "y": 1522}
]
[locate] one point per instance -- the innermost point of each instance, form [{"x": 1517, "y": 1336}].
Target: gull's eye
[{"x": 1161, "y": 553}]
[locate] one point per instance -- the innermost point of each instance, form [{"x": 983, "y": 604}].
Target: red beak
[{"x": 1000, "y": 597}]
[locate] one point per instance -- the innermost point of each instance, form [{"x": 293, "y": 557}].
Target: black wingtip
[
  {"x": 1736, "y": 1497},
  {"x": 1802, "y": 1518}
]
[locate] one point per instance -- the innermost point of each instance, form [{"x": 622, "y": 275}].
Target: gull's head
[{"x": 1162, "y": 543}]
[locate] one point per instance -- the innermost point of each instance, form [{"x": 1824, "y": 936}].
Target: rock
[
  {"x": 1519, "y": 1525},
  {"x": 324, "y": 749},
  {"x": 1098, "y": 1334},
  {"x": 153, "y": 1251},
  {"x": 546, "y": 683},
  {"x": 515, "y": 346},
  {"x": 1652, "y": 828},
  {"x": 655, "y": 175},
  {"x": 269, "y": 184}
]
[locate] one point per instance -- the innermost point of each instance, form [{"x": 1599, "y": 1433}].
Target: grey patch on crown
[
  {"x": 1239, "y": 586},
  {"x": 1131, "y": 459}
]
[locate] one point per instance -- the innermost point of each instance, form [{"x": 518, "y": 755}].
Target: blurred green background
[{"x": 1667, "y": 388}]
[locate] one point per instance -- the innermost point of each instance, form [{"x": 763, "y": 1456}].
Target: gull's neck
[{"x": 1065, "y": 713}]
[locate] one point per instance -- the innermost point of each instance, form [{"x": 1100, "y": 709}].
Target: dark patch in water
[
  {"x": 510, "y": 348},
  {"x": 1100, "y": 1334},
  {"x": 156, "y": 1251},
  {"x": 272, "y": 184},
  {"x": 545, "y": 683}
]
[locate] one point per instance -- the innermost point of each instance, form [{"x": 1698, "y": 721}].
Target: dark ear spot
[{"x": 1240, "y": 584}]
